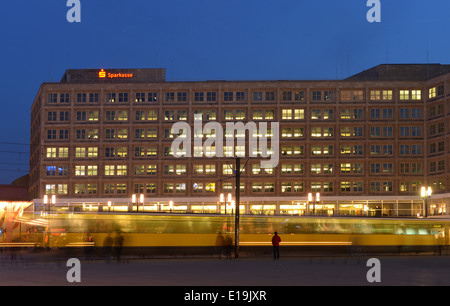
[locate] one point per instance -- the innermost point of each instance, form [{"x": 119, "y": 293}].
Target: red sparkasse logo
[{"x": 103, "y": 74}]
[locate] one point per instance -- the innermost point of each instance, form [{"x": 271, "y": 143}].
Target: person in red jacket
[{"x": 276, "y": 244}]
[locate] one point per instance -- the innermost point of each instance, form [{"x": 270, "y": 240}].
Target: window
[
  {"x": 93, "y": 97},
  {"x": 228, "y": 96},
  {"x": 81, "y": 97},
  {"x": 352, "y": 95},
  {"x": 80, "y": 170},
  {"x": 240, "y": 96},
  {"x": 152, "y": 97},
  {"x": 211, "y": 96},
  {"x": 92, "y": 170},
  {"x": 317, "y": 96},
  {"x": 109, "y": 170},
  {"x": 123, "y": 97}
]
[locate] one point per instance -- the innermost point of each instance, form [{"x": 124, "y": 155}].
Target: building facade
[{"x": 366, "y": 144}]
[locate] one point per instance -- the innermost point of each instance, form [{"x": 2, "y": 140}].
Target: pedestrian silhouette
[
  {"x": 220, "y": 244},
  {"x": 276, "y": 246},
  {"x": 118, "y": 243},
  {"x": 228, "y": 246},
  {"x": 107, "y": 246}
]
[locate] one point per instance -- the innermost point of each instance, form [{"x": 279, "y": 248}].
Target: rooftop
[{"x": 401, "y": 72}]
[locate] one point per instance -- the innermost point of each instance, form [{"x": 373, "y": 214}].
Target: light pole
[
  {"x": 133, "y": 201},
  {"x": 109, "y": 206},
  {"x": 425, "y": 193},
  {"x": 141, "y": 201},
  {"x": 222, "y": 200},
  {"x": 313, "y": 199},
  {"x": 45, "y": 201},
  {"x": 49, "y": 204}
]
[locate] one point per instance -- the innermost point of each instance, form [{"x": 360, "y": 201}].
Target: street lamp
[
  {"x": 425, "y": 193},
  {"x": 52, "y": 201},
  {"x": 313, "y": 199},
  {"x": 141, "y": 201},
  {"x": 109, "y": 205},
  {"x": 228, "y": 200}
]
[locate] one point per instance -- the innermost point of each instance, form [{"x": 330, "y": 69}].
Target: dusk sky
[{"x": 203, "y": 40}]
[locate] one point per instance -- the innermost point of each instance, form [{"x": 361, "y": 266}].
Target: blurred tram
[{"x": 140, "y": 231}]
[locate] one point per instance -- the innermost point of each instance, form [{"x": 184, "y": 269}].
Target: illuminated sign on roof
[{"x": 103, "y": 74}]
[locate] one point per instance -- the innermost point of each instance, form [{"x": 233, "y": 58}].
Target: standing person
[
  {"x": 220, "y": 244},
  {"x": 107, "y": 246},
  {"x": 276, "y": 244},
  {"x": 118, "y": 244},
  {"x": 228, "y": 246}
]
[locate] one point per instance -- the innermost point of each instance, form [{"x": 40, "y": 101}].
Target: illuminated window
[
  {"x": 109, "y": 170},
  {"x": 180, "y": 169},
  {"x": 346, "y": 167},
  {"x": 210, "y": 187},
  {"x": 316, "y": 168},
  {"x": 51, "y": 152},
  {"x": 345, "y": 186},
  {"x": 180, "y": 188},
  {"x": 168, "y": 187},
  {"x": 416, "y": 94},
  {"x": 92, "y": 170},
  {"x": 62, "y": 189},
  {"x": 93, "y": 134},
  {"x": 92, "y": 188},
  {"x": 286, "y": 114},
  {"x": 432, "y": 93},
  {"x": 286, "y": 187},
  {"x": 79, "y": 188},
  {"x": 404, "y": 95},
  {"x": 227, "y": 169},
  {"x": 63, "y": 152},
  {"x": 122, "y": 115},
  {"x": 111, "y": 97},
  {"x": 286, "y": 169},
  {"x": 151, "y": 169},
  {"x": 140, "y": 97},
  {"x": 121, "y": 169},
  {"x": 121, "y": 188},
  {"x": 122, "y": 133},
  {"x": 80, "y": 170},
  {"x": 150, "y": 188},
  {"x": 240, "y": 114},
  {"x": 80, "y": 152}
]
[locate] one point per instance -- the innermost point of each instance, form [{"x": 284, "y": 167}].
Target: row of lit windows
[
  {"x": 285, "y": 150},
  {"x": 210, "y": 169},
  {"x": 241, "y": 96},
  {"x": 257, "y": 114},
  {"x": 255, "y": 187},
  {"x": 285, "y": 132}
]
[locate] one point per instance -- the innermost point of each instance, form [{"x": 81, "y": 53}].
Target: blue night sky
[{"x": 203, "y": 40}]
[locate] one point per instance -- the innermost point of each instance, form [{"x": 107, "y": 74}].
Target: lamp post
[
  {"x": 109, "y": 206},
  {"x": 45, "y": 201},
  {"x": 141, "y": 201},
  {"x": 49, "y": 204},
  {"x": 313, "y": 199},
  {"x": 133, "y": 201},
  {"x": 225, "y": 201},
  {"x": 425, "y": 193}
]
